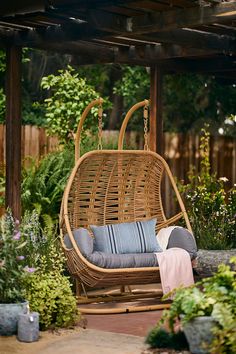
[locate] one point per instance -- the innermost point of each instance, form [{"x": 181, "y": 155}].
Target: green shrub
[
  {"x": 43, "y": 184},
  {"x": 47, "y": 289},
  {"x": 211, "y": 209},
  {"x": 12, "y": 256},
  {"x": 214, "y": 296},
  {"x": 42, "y": 249},
  {"x": 160, "y": 338},
  {"x": 69, "y": 95},
  {"x": 50, "y": 294}
]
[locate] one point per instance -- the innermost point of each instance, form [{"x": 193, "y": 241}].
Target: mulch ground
[{"x": 164, "y": 351}]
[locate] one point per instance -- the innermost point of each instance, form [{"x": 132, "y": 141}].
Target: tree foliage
[
  {"x": 189, "y": 100},
  {"x": 69, "y": 95}
]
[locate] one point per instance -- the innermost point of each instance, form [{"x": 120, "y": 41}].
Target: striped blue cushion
[{"x": 134, "y": 237}]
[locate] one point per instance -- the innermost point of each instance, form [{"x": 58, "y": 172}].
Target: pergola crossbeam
[{"x": 163, "y": 21}]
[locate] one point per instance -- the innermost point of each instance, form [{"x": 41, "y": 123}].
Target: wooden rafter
[
  {"x": 73, "y": 32},
  {"x": 194, "y": 39},
  {"x": 105, "y": 36},
  {"x": 163, "y": 21},
  {"x": 146, "y": 54},
  {"x": 211, "y": 65}
]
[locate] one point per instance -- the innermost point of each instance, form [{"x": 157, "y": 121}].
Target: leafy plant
[
  {"x": 214, "y": 296},
  {"x": 42, "y": 248},
  {"x": 50, "y": 294},
  {"x": 211, "y": 209},
  {"x": 70, "y": 94},
  {"x": 161, "y": 338},
  {"x": 47, "y": 290},
  {"x": 135, "y": 79},
  {"x": 43, "y": 184},
  {"x": 13, "y": 269}
]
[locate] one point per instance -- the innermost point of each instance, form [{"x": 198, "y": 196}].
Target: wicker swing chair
[{"x": 114, "y": 186}]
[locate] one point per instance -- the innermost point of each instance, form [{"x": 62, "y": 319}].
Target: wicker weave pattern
[
  {"x": 112, "y": 188},
  {"x": 108, "y": 187}
]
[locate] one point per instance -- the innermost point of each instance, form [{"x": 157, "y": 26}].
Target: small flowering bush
[
  {"x": 32, "y": 268},
  {"x": 50, "y": 294},
  {"x": 42, "y": 249},
  {"x": 48, "y": 290},
  {"x": 211, "y": 209},
  {"x": 13, "y": 268}
]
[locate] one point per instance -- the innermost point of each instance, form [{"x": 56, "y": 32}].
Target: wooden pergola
[{"x": 169, "y": 36}]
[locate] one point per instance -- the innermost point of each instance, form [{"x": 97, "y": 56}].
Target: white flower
[{"x": 224, "y": 179}]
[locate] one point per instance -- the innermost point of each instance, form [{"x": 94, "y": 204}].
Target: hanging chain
[
  {"x": 145, "y": 121},
  {"x": 100, "y": 112}
]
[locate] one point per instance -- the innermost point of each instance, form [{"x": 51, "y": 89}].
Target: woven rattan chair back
[
  {"x": 113, "y": 187},
  {"x": 109, "y": 187}
]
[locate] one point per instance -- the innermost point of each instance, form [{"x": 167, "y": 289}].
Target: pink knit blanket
[{"x": 175, "y": 269}]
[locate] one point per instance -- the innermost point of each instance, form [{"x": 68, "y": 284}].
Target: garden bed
[{"x": 164, "y": 351}]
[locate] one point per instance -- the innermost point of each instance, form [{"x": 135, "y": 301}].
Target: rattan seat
[{"x": 108, "y": 187}]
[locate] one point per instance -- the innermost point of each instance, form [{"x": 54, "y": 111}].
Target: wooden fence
[
  {"x": 35, "y": 143},
  {"x": 181, "y": 151}
]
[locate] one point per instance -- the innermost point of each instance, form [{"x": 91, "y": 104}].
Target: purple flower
[
  {"x": 20, "y": 258},
  {"x": 17, "y": 222},
  {"x": 17, "y": 236},
  {"x": 29, "y": 270}
]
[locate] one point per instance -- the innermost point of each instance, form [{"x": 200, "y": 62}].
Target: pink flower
[
  {"x": 17, "y": 236},
  {"x": 29, "y": 270},
  {"x": 20, "y": 258}
]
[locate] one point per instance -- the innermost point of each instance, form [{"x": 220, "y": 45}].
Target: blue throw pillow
[
  {"x": 83, "y": 240},
  {"x": 134, "y": 237}
]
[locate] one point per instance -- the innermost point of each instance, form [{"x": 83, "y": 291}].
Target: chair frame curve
[{"x": 90, "y": 275}]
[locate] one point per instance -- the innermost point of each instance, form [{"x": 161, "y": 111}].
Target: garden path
[{"x": 82, "y": 341}]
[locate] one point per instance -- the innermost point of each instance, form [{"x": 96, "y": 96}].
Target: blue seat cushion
[
  {"x": 134, "y": 237},
  {"x": 131, "y": 260},
  {"x": 83, "y": 240},
  {"x": 182, "y": 238}
]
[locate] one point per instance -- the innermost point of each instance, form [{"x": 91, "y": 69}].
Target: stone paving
[
  {"x": 90, "y": 341},
  {"x": 83, "y": 341},
  {"x": 102, "y": 334}
]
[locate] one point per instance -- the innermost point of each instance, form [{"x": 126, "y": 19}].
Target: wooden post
[
  {"x": 156, "y": 119},
  {"x": 13, "y": 129}
]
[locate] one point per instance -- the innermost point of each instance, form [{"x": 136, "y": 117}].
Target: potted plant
[
  {"x": 207, "y": 312},
  {"x": 12, "y": 274}
]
